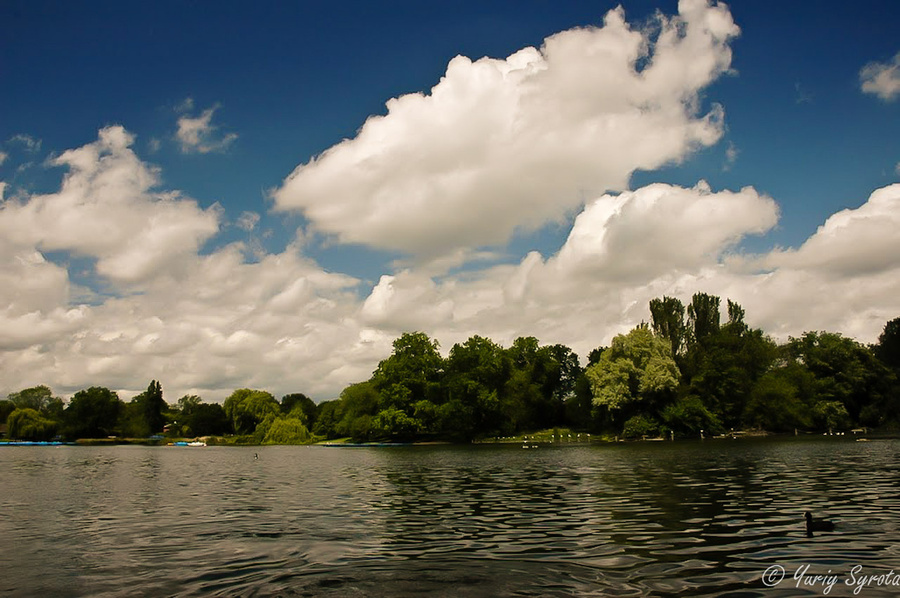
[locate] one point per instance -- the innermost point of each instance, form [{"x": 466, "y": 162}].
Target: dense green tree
[
  {"x": 831, "y": 415},
  {"x": 28, "y": 424},
  {"x": 247, "y": 408},
  {"x": 476, "y": 372},
  {"x": 688, "y": 416},
  {"x": 580, "y": 406},
  {"x": 703, "y": 317},
  {"x": 93, "y": 413},
  {"x": 6, "y": 407},
  {"x": 359, "y": 404},
  {"x": 428, "y": 418},
  {"x": 37, "y": 398},
  {"x": 562, "y": 377},
  {"x": 724, "y": 369},
  {"x": 154, "y": 406},
  {"x": 523, "y": 401},
  {"x": 144, "y": 414},
  {"x": 780, "y": 400},
  {"x": 395, "y": 425},
  {"x": 888, "y": 347},
  {"x": 302, "y": 406},
  {"x": 412, "y": 373},
  {"x": 640, "y": 425},
  {"x": 636, "y": 373},
  {"x": 667, "y": 319},
  {"x": 522, "y": 405},
  {"x": 41, "y": 399},
  {"x": 594, "y": 356},
  {"x": 736, "y": 317},
  {"x": 541, "y": 378},
  {"x": 845, "y": 372},
  {"x": 206, "y": 419},
  {"x": 480, "y": 360},
  {"x": 131, "y": 421},
  {"x": 330, "y": 414},
  {"x": 188, "y": 403}
]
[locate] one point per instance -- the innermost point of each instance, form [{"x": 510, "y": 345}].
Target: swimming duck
[{"x": 817, "y": 525}]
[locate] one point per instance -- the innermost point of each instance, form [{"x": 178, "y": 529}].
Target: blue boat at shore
[{"x": 33, "y": 443}]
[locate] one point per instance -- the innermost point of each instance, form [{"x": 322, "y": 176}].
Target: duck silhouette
[{"x": 817, "y": 525}]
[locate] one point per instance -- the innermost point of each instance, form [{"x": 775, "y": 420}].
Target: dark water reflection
[{"x": 651, "y": 519}]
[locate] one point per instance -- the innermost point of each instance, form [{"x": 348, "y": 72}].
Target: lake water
[{"x": 658, "y": 519}]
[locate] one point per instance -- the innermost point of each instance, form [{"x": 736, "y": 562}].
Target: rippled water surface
[{"x": 660, "y": 519}]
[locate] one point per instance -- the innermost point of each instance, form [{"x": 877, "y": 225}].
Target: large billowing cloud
[{"x": 503, "y": 144}]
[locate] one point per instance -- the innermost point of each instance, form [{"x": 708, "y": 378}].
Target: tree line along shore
[{"x": 688, "y": 372}]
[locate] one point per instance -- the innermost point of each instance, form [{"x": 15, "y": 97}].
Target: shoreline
[{"x": 532, "y": 440}]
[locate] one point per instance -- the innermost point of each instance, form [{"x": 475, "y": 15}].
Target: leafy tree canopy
[
  {"x": 888, "y": 347},
  {"x": 301, "y": 406},
  {"x": 636, "y": 366},
  {"x": 6, "y": 407},
  {"x": 188, "y": 403},
  {"x": 39, "y": 398},
  {"x": 93, "y": 413},
  {"x": 412, "y": 372},
  {"x": 667, "y": 319},
  {"x": 845, "y": 371},
  {"x": 703, "y": 317}
]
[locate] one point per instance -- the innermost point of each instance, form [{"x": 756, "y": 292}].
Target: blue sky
[{"x": 208, "y": 109}]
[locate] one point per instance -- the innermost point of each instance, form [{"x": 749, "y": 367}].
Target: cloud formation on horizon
[{"x": 208, "y": 322}]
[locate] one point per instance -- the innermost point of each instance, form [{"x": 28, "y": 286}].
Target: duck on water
[{"x": 814, "y": 524}]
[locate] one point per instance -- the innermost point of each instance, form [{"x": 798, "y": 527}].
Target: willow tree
[
  {"x": 247, "y": 408},
  {"x": 28, "y": 424}
]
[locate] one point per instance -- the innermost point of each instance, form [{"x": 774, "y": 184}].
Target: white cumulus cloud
[
  {"x": 502, "y": 144},
  {"x": 204, "y": 323},
  {"x": 882, "y": 79},
  {"x": 106, "y": 209},
  {"x": 851, "y": 243}
]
